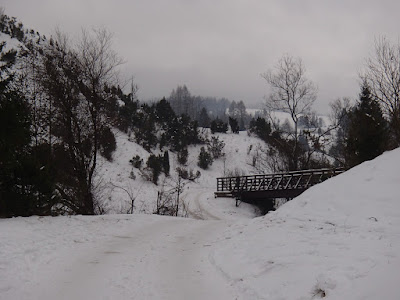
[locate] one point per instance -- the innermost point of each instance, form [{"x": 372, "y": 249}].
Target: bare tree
[
  {"x": 131, "y": 192},
  {"x": 169, "y": 198},
  {"x": 382, "y": 75},
  {"x": 77, "y": 81},
  {"x": 291, "y": 92}
]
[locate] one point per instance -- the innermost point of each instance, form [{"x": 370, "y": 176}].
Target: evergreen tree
[
  {"x": 183, "y": 156},
  {"x": 234, "y": 125},
  {"x": 107, "y": 143},
  {"x": 205, "y": 159},
  {"x": 216, "y": 147},
  {"x": 261, "y": 128},
  {"x": 166, "y": 166},
  {"x": 242, "y": 115},
  {"x": 218, "y": 125},
  {"x": 367, "y": 133},
  {"x": 164, "y": 112},
  {"x": 155, "y": 164},
  {"x": 204, "y": 119}
]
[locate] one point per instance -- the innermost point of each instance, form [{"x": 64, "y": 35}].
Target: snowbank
[{"x": 339, "y": 240}]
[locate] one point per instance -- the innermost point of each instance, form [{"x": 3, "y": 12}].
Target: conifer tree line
[{"x": 60, "y": 100}]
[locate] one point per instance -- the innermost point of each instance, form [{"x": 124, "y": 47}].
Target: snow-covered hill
[
  {"x": 338, "y": 240},
  {"x": 118, "y": 186}
]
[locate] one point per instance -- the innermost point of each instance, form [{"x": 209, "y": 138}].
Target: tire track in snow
[
  {"x": 199, "y": 212},
  {"x": 167, "y": 259}
]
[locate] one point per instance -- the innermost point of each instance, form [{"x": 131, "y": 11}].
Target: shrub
[
  {"x": 215, "y": 147},
  {"x": 188, "y": 175},
  {"x": 136, "y": 162}
]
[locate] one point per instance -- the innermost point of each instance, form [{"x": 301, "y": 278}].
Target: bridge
[{"x": 259, "y": 188}]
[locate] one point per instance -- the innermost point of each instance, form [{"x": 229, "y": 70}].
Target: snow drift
[{"x": 338, "y": 240}]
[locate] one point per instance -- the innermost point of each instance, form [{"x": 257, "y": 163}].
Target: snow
[
  {"x": 11, "y": 43},
  {"x": 109, "y": 257},
  {"x": 115, "y": 180},
  {"x": 338, "y": 240}
]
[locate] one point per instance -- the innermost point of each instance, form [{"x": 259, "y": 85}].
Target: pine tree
[
  {"x": 234, "y": 125},
  {"x": 205, "y": 159},
  {"x": 155, "y": 164},
  {"x": 367, "y": 133},
  {"x": 183, "y": 156},
  {"x": 166, "y": 166},
  {"x": 164, "y": 112},
  {"x": 204, "y": 119},
  {"x": 261, "y": 128}
]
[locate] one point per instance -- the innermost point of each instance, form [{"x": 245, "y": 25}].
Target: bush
[
  {"x": 188, "y": 175},
  {"x": 205, "y": 159},
  {"x": 136, "y": 162},
  {"x": 215, "y": 147},
  {"x": 218, "y": 125}
]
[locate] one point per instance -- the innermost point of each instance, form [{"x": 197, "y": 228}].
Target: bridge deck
[{"x": 271, "y": 186}]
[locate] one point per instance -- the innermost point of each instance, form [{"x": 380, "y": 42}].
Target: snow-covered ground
[
  {"x": 116, "y": 183},
  {"x": 338, "y": 240}
]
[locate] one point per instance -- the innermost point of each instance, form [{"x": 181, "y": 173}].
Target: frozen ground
[{"x": 339, "y": 240}]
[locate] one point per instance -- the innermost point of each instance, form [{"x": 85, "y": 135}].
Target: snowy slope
[
  {"x": 116, "y": 183},
  {"x": 340, "y": 239}
]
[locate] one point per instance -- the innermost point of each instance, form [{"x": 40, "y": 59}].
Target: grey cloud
[{"x": 219, "y": 48}]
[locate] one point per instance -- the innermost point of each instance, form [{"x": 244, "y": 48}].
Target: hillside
[
  {"x": 339, "y": 240},
  {"x": 117, "y": 182}
]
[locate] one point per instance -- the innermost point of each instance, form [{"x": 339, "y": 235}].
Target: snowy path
[{"x": 165, "y": 259}]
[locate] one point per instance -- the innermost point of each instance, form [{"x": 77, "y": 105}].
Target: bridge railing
[{"x": 279, "y": 181}]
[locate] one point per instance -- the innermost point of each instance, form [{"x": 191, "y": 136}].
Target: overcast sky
[{"x": 220, "y": 47}]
